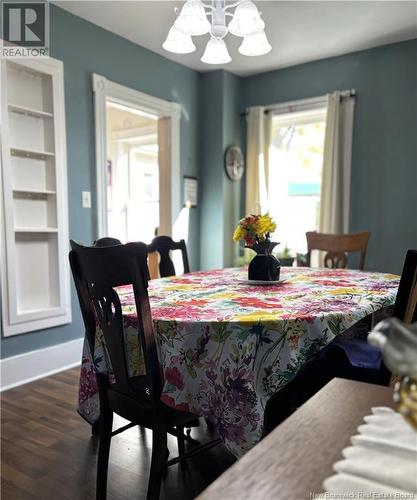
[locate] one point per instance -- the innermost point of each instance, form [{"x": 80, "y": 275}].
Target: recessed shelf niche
[{"x": 34, "y": 197}]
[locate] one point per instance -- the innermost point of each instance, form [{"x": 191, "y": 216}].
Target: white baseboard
[{"x": 32, "y": 365}]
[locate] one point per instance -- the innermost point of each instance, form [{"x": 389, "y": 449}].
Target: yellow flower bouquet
[{"x": 254, "y": 229}]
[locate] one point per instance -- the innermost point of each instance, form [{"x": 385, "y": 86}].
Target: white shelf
[
  {"x": 34, "y": 191},
  {"x": 35, "y": 285},
  {"x": 24, "y": 110},
  {"x": 31, "y": 153},
  {"x": 35, "y": 230}
]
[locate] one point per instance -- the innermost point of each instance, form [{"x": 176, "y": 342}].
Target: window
[{"x": 295, "y": 172}]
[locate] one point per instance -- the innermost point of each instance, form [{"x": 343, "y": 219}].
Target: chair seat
[
  {"x": 360, "y": 353},
  {"x": 137, "y": 407}
]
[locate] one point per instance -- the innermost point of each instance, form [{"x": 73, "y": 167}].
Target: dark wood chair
[
  {"x": 333, "y": 360},
  {"x": 97, "y": 271},
  {"x": 107, "y": 241},
  {"x": 405, "y": 307},
  {"x": 337, "y": 247},
  {"x": 164, "y": 245}
]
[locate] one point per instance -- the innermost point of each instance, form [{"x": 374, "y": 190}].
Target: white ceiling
[{"x": 299, "y": 31}]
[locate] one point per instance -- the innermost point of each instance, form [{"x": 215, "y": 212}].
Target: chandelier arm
[
  {"x": 207, "y": 5},
  {"x": 232, "y": 5}
]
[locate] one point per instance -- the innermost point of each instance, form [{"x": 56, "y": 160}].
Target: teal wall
[
  {"x": 211, "y": 174},
  {"x": 384, "y": 159},
  {"x": 220, "y": 197},
  {"x": 85, "y": 49}
]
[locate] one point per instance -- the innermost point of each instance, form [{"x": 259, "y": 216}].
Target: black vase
[{"x": 264, "y": 266}]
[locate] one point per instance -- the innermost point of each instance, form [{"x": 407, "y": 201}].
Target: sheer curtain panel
[
  {"x": 335, "y": 187},
  {"x": 258, "y": 142}
]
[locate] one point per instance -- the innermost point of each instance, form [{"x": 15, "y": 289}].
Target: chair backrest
[
  {"x": 97, "y": 271},
  {"x": 164, "y": 245},
  {"x": 337, "y": 246},
  {"x": 405, "y": 307},
  {"x": 106, "y": 242}
]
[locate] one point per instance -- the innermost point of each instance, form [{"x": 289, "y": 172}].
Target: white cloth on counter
[{"x": 382, "y": 460}]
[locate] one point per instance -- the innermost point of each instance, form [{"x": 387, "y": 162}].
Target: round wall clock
[{"x": 234, "y": 163}]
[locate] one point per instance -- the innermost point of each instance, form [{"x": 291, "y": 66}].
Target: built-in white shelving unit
[{"x": 34, "y": 214}]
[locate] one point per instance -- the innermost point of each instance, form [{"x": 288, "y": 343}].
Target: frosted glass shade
[
  {"x": 178, "y": 42},
  {"x": 192, "y": 19},
  {"x": 216, "y": 52},
  {"x": 255, "y": 45},
  {"x": 246, "y": 20}
]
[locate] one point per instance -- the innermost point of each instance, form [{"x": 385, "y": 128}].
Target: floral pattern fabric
[{"x": 225, "y": 346}]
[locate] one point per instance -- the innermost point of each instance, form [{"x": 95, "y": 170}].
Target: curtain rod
[{"x": 302, "y": 102}]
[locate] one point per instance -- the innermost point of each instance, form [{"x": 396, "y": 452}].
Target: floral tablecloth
[{"x": 226, "y": 347}]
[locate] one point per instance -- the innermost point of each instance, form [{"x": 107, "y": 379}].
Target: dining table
[{"x": 226, "y": 345}]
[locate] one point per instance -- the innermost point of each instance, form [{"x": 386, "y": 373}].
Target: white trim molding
[
  {"x": 33, "y": 365},
  {"x": 104, "y": 90}
]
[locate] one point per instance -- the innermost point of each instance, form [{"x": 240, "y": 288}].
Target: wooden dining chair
[
  {"x": 106, "y": 241},
  {"x": 333, "y": 361},
  {"x": 405, "y": 307},
  {"x": 97, "y": 271},
  {"x": 337, "y": 247},
  {"x": 164, "y": 245},
  {"x": 153, "y": 258}
]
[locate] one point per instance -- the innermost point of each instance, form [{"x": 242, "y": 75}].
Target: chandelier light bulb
[
  {"x": 255, "y": 45},
  {"x": 246, "y": 20},
  {"x": 192, "y": 19},
  {"x": 216, "y": 52},
  {"x": 178, "y": 42}
]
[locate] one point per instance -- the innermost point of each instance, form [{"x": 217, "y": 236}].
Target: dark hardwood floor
[{"x": 48, "y": 453}]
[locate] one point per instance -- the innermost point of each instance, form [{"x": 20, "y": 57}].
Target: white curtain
[
  {"x": 257, "y": 172},
  {"x": 335, "y": 187}
]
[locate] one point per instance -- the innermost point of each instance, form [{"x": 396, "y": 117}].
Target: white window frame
[
  {"x": 297, "y": 113},
  {"x": 104, "y": 90}
]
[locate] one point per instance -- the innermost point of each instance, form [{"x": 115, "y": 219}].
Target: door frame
[{"x": 103, "y": 90}]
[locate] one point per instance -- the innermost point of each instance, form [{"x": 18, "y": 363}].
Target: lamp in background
[{"x": 193, "y": 20}]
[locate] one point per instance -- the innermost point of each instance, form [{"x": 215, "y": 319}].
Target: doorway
[
  {"x": 137, "y": 162},
  {"x": 133, "y": 208}
]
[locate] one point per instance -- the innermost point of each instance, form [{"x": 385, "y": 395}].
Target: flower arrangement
[{"x": 254, "y": 229}]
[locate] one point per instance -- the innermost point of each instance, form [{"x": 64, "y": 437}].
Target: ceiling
[{"x": 299, "y": 31}]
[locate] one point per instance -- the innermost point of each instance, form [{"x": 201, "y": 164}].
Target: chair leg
[
  {"x": 95, "y": 428},
  {"x": 106, "y": 421},
  {"x": 180, "y": 440},
  {"x": 160, "y": 455}
]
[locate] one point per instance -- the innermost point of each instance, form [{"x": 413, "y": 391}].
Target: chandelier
[{"x": 193, "y": 20}]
